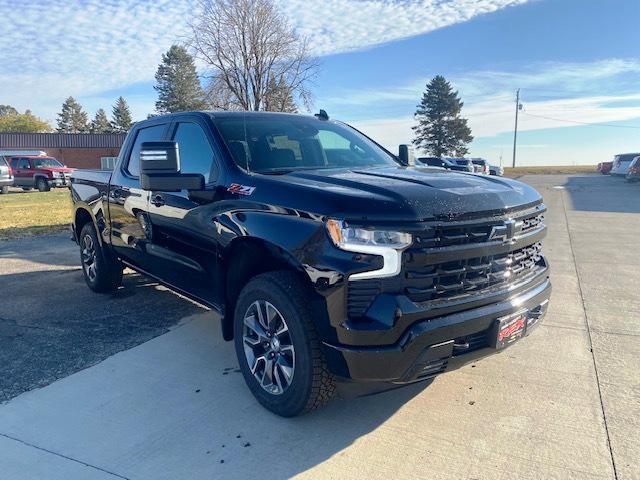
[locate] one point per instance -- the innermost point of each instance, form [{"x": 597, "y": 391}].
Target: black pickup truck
[{"x": 328, "y": 258}]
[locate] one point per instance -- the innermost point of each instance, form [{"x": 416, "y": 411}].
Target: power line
[{"x": 581, "y": 123}]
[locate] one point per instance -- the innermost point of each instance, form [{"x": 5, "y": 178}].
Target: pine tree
[
  {"x": 121, "y": 117},
  {"x": 100, "y": 124},
  {"x": 177, "y": 83},
  {"x": 440, "y": 130},
  {"x": 72, "y": 119},
  {"x": 279, "y": 97},
  {"x": 7, "y": 110}
]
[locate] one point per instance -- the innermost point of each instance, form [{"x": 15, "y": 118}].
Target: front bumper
[
  {"x": 59, "y": 182},
  {"x": 430, "y": 347},
  {"x": 6, "y": 181}
]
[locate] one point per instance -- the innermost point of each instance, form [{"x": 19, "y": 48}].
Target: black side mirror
[
  {"x": 406, "y": 155},
  {"x": 160, "y": 169}
]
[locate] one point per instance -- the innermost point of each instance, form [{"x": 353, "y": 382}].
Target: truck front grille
[
  {"x": 468, "y": 276},
  {"x": 456, "y": 261},
  {"x": 464, "y": 233}
]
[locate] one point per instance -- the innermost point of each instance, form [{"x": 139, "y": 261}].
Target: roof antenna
[{"x": 322, "y": 115}]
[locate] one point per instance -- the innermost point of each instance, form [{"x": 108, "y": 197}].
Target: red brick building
[{"x": 79, "y": 150}]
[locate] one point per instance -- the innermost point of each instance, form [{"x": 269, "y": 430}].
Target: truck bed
[{"x": 92, "y": 176}]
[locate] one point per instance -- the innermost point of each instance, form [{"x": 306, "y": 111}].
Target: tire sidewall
[
  {"x": 294, "y": 399},
  {"x": 41, "y": 185}
]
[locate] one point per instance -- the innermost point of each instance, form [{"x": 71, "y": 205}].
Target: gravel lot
[{"x": 564, "y": 403}]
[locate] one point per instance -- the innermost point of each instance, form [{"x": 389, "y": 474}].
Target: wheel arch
[
  {"x": 81, "y": 217},
  {"x": 246, "y": 258}
]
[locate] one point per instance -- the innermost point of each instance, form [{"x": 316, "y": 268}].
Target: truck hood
[
  {"x": 400, "y": 193},
  {"x": 58, "y": 169}
]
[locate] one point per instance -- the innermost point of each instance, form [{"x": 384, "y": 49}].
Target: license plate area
[{"x": 510, "y": 329}]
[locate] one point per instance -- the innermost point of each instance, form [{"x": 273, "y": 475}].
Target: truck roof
[{"x": 228, "y": 114}]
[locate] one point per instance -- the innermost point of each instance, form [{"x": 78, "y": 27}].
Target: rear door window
[
  {"x": 148, "y": 134},
  {"x": 22, "y": 163}
]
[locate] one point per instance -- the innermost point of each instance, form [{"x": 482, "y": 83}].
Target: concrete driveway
[{"x": 564, "y": 403}]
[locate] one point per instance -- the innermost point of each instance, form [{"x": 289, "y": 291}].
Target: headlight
[
  {"x": 57, "y": 174},
  {"x": 388, "y": 244}
]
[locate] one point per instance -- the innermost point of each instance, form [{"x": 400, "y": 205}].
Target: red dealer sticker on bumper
[{"x": 510, "y": 329}]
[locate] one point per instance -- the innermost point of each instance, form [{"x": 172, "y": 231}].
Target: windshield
[
  {"x": 625, "y": 158},
  {"x": 478, "y": 162},
  {"x": 278, "y": 145},
  {"x": 462, "y": 161},
  {"x": 45, "y": 162}
]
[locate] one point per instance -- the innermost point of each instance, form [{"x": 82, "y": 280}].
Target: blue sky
[{"x": 574, "y": 61}]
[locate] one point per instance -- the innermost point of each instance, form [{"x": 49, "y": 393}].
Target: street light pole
[{"x": 515, "y": 130}]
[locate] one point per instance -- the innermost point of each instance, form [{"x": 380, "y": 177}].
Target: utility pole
[{"x": 515, "y": 130}]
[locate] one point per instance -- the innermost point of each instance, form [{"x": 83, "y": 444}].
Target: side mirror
[
  {"x": 406, "y": 155},
  {"x": 160, "y": 169}
]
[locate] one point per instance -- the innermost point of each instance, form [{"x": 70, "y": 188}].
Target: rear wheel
[
  {"x": 42, "y": 185},
  {"x": 278, "y": 347},
  {"x": 101, "y": 271}
]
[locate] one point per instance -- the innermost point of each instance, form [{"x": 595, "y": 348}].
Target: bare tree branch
[{"x": 256, "y": 60}]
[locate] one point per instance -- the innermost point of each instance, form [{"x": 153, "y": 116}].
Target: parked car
[
  {"x": 605, "y": 167},
  {"x": 483, "y": 164},
  {"x": 496, "y": 170},
  {"x": 633, "y": 175},
  {"x": 621, "y": 163},
  {"x": 41, "y": 172},
  {"x": 467, "y": 162},
  {"x": 6, "y": 176},
  {"x": 444, "y": 163},
  {"x": 327, "y": 259}
]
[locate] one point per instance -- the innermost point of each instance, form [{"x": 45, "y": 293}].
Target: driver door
[{"x": 183, "y": 241}]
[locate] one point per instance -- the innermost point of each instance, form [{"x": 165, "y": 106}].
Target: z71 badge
[{"x": 240, "y": 189}]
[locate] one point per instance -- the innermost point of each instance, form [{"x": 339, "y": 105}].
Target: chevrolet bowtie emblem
[{"x": 504, "y": 232}]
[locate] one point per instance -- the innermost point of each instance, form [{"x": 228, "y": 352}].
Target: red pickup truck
[{"x": 41, "y": 172}]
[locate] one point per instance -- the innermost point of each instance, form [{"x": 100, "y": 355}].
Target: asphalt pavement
[{"x": 140, "y": 384}]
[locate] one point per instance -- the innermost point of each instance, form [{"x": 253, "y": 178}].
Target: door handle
[{"x": 158, "y": 201}]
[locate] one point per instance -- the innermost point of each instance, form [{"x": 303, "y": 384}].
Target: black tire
[
  {"x": 4, "y": 190},
  {"x": 42, "y": 185},
  {"x": 102, "y": 272},
  {"x": 311, "y": 385}
]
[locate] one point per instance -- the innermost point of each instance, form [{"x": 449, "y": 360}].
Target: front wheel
[
  {"x": 5, "y": 190},
  {"x": 101, "y": 271},
  {"x": 42, "y": 185},
  {"x": 278, "y": 347}
]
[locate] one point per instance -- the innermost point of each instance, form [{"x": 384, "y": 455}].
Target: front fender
[{"x": 301, "y": 240}]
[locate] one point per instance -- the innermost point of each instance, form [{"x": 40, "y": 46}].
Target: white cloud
[
  {"x": 343, "y": 25},
  {"x": 58, "y": 48},
  {"x": 566, "y": 92},
  {"x": 55, "y": 48}
]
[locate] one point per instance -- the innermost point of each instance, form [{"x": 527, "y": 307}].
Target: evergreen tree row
[{"x": 73, "y": 119}]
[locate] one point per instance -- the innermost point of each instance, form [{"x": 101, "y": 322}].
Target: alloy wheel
[
  {"x": 88, "y": 256},
  {"x": 268, "y": 347}
]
